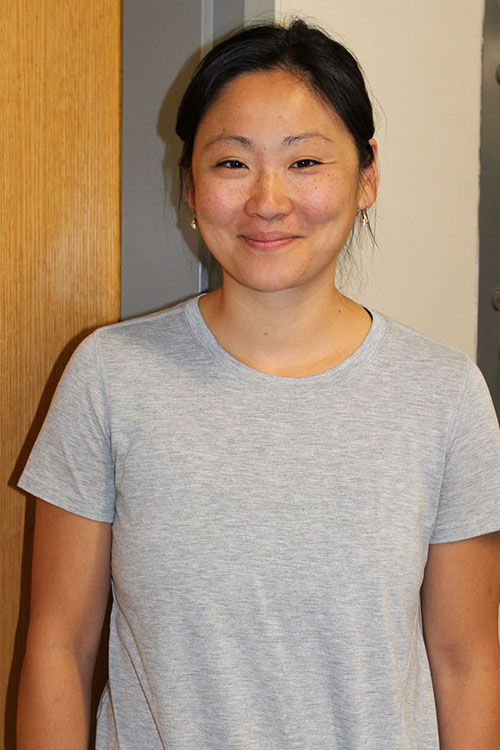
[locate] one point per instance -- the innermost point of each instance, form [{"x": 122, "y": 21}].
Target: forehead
[{"x": 277, "y": 99}]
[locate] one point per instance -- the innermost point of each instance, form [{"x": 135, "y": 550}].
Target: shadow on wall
[{"x": 172, "y": 182}]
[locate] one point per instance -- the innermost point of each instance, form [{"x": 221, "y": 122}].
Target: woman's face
[{"x": 275, "y": 183}]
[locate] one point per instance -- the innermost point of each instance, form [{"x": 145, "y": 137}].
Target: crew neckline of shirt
[{"x": 206, "y": 338}]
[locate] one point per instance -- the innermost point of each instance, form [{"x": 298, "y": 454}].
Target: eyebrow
[
  {"x": 289, "y": 140},
  {"x": 239, "y": 139}
]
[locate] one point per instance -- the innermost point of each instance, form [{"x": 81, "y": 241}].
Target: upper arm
[
  {"x": 70, "y": 579},
  {"x": 460, "y": 597}
]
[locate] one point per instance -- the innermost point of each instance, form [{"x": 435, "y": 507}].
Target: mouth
[{"x": 268, "y": 241}]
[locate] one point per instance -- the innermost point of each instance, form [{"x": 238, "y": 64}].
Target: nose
[{"x": 269, "y": 196}]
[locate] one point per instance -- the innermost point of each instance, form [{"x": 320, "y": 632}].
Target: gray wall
[
  {"x": 488, "y": 352},
  {"x": 161, "y": 42},
  {"x": 227, "y": 15}
]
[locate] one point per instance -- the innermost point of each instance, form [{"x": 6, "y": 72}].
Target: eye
[
  {"x": 231, "y": 164},
  {"x": 304, "y": 163}
]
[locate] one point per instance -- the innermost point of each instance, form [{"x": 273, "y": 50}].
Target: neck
[{"x": 287, "y": 333}]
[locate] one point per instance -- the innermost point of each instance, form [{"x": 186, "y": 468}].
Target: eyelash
[
  {"x": 235, "y": 164},
  {"x": 231, "y": 164},
  {"x": 305, "y": 163}
]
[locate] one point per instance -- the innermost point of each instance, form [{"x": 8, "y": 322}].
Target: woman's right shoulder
[
  {"x": 129, "y": 340},
  {"x": 147, "y": 326}
]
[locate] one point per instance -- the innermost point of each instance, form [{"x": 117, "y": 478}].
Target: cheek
[
  {"x": 318, "y": 206},
  {"x": 217, "y": 203},
  {"x": 324, "y": 202}
]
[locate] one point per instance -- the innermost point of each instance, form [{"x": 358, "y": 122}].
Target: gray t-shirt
[{"x": 269, "y": 534}]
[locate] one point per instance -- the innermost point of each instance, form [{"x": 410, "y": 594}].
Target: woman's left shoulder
[{"x": 425, "y": 359}]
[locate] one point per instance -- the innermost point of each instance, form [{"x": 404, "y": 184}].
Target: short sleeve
[
  {"x": 71, "y": 464},
  {"x": 469, "y": 503}
]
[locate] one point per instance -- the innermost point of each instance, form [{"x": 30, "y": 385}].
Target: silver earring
[
  {"x": 193, "y": 223},
  {"x": 364, "y": 218}
]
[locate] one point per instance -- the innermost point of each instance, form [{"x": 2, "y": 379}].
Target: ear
[
  {"x": 369, "y": 179},
  {"x": 189, "y": 190}
]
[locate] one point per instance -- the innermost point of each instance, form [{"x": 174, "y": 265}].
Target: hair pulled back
[{"x": 324, "y": 64}]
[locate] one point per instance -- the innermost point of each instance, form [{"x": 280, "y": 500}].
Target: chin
[{"x": 268, "y": 282}]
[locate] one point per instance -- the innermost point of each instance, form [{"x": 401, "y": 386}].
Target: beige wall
[{"x": 423, "y": 63}]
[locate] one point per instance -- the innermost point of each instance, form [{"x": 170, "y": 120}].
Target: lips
[{"x": 268, "y": 240}]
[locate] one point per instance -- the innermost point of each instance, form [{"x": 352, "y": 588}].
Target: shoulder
[
  {"x": 123, "y": 352},
  {"x": 423, "y": 361},
  {"x": 405, "y": 343},
  {"x": 422, "y": 379},
  {"x": 147, "y": 328},
  {"x": 133, "y": 340}
]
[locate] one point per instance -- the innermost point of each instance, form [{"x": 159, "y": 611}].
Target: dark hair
[{"x": 328, "y": 67}]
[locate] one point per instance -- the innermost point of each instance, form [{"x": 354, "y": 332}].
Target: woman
[{"x": 279, "y": 475}]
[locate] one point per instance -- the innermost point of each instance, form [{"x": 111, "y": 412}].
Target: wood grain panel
[{"x": 59, "y": 219}]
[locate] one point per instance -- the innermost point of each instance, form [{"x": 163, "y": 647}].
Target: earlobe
[
  {"x": 189, "y": 191},
  {"x": 370, "y": 179}
]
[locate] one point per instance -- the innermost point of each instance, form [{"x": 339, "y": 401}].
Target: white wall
[{"x": 423, "y": 64}]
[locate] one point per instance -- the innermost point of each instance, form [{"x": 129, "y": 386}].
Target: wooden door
[{"x": 59, "y": 218}]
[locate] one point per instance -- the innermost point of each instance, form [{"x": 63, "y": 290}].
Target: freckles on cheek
[
  {"x": 319, "y": 206},
  {"x": 215, "y": 204},
  {"x": 323, "y": 201},
  {"x": 212, "y": 207},
  {"x": 317, "y": 200}
]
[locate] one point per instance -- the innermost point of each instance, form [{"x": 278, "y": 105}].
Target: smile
[{"x": 268, "y": 241}]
